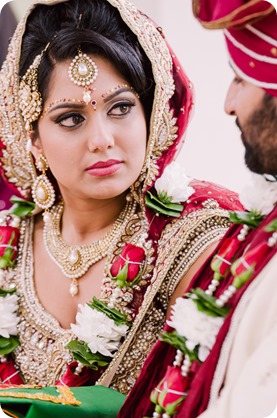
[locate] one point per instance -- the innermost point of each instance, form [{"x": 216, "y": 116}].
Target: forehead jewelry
[
  {"x": 83, "y": 72},
  {"x": 64, "y": 100}
]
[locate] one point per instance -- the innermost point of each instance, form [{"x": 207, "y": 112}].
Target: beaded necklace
[{"x": 75, "y": 260}]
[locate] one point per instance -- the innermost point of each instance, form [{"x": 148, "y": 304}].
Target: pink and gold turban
[{"x": 250, "y": 29}]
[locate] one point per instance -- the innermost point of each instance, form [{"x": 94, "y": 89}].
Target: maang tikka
[
  {"x": 83, "y": 72},
  {"x": 42, "y": 190}
]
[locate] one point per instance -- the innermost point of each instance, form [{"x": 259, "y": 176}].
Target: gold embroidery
[
  {"x": 233, "y": 18},
  {"x": 10, "y": 414},
  {"x": 65, "y": 396},
  {"x": 182, "y": 242},
  {"x": 42, "y": 356}
]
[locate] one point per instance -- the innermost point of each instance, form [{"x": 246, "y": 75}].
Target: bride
[{"x": 106, "y": 230}]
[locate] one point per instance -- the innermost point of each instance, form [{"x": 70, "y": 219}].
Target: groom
[{"x": 217, "y": 354}]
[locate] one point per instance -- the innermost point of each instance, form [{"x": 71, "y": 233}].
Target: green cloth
[{"x": 96, "y": 402}]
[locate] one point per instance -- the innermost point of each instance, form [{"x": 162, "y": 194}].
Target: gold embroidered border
[
  {"x": 174, "y": 239},
  {"x": 65, "y": 396},
  {"x": 228, "y": 20},
  {"x": 10, "y": 414}
]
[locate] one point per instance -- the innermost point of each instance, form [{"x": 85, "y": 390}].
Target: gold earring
[{"x": 42, "y": 190}]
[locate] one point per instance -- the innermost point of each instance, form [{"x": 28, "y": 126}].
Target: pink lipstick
[{"x": 104, "y": 168}]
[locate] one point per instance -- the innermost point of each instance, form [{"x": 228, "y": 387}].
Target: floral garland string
[
  {"x": 197, "y": 317},
  {"x": 9, "y": 237}
]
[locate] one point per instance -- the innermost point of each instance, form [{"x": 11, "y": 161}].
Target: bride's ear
[{"x": 34, "y": 144}]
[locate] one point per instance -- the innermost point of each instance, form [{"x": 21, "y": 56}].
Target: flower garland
[
  {"x": 9, "y": 237},
  {"x": 101, "y": 325},
  {"x": 197, "y": 317}
]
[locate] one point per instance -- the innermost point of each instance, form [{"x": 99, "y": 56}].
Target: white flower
[
  {"x": 260, "y": 195},
  {"x": 174, "y": 183},
  {"x": 3, "y": 217},
  {"x": 8, "y": 317},
  {"x": 195, "y": 326},
  {"x": 2, "y": 281},
  {"x": 100, "y": 332}
]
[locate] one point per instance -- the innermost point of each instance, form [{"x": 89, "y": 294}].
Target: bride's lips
[{"x": 104, "y": 168}]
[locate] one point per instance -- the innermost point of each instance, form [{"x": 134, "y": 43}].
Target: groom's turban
[{"x": 250, "y": 29}]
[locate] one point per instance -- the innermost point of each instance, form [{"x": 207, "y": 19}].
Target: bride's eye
[
  {"x": 121, "y": 108},
  {"x": 70, "y": 120}
]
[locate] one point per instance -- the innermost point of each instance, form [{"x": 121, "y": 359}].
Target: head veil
[{"x": 170, "y": 113}]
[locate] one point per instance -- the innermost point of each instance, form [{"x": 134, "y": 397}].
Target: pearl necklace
[{"x": 75, "y": 260}]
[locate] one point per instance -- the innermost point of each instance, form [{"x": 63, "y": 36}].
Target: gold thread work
[{"x": 65, "y": 396}]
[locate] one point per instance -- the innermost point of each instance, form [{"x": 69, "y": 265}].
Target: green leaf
[
  {"x": 6, "y": 259},
  {"x": 111, "y": 313},
  {"x": 178, "y": 342},
  {"x": 6, "y": 262},
  {"x": 166, "y": 204},
  {"x": 163, "y": 197},
  {"x": 242, "y": 278},
  {"x": 252, "y": 219},
  {"x": 21, "y": 207},
  {"x": 272, "y": 226},
  {"x": 82, "y": 353},
  {"x": 122, "y": 276},
  {"x": 206, "y": 304},
  {"x": 6, "y": 292},
  {"x": 171, "y": 408},
  {"x": 8, "y": 345},
  {"x": 160, "y": 208}
]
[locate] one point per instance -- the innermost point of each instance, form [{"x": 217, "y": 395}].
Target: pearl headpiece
[{"x": 83, "y": 72}]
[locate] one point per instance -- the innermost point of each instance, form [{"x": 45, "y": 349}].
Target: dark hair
[{"x": 95, "y": 27}]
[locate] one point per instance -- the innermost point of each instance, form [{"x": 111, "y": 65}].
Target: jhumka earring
[
  {"x": 83, "y": 72},
  {"x": 42, "y": 190}
]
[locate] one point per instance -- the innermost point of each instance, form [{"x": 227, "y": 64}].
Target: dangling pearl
[
  {"x": 82, "y": 69},
  {"x": 47, "y": 217},
  {"x": 73, "y": 290},
  {"x": 87, "y": 97},
  {"x": 129, "y": 197}
]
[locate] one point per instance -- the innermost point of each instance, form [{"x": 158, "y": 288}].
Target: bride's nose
[{"x": 99, "y": 136}]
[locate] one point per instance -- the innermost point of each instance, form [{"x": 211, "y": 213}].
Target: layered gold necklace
[{"x": 75, "y": 260}]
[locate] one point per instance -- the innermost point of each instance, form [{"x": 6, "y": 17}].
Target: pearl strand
[{"x": 185, "y": 366}]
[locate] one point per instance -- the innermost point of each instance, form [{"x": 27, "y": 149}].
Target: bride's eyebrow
[
  {"x": 110, "y": 94},
  {"x": 64, "y": 104},
  {"x": 68, "y": 105}
]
